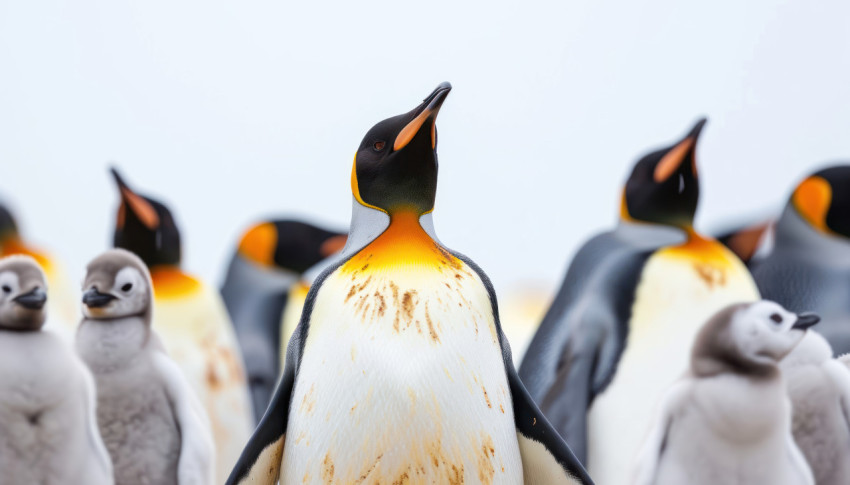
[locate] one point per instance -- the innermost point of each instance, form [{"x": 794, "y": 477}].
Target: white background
[{"x": 231, "y": 111}]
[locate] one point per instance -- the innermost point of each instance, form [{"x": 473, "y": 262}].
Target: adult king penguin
[
  {"x": 192, "y": 321},
  {"x": 62, "y": 305},
  {"x": 809, "y": 266},
  {"x": 621, "y": 326},
  {"x": 398, "y": 370},
  {"x": 270, "y": 260}
]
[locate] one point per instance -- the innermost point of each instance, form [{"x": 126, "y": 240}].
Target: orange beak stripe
[{"x": 672, "y": 160}]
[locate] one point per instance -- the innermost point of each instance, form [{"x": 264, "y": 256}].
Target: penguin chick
[
  {"x": 48, "y": 430},
  {"x": 819, "y": 388},
  {"x": 729, "y": 420},
  {"x": 154, "y": 427}
]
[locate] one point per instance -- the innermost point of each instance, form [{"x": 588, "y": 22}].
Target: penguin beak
[
  {"x": 34, "y": 300},
  {"x": 805, "y": 320},
  {"x": 674, "y": 158},
  {"x": 143, "y": 210},
  {"x": 426, "y": 111},
  {"x": 95, "y": 299}
]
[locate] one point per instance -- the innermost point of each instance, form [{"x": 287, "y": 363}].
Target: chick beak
[
  {"x": 34, "y": 300},
  {"x": 95, "y": 299}
]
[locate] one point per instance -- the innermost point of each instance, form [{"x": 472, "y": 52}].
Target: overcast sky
[{"x": 234, "y": 110}]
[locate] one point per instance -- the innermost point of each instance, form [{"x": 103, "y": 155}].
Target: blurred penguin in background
[
  {"x": 192, "y": 321},
  {"x": 48, "y": 430},
  {"x": 270, "y": 260},
  {"x": 808, "y": 267},
  {"x": 620, "y": 329},
  {"x": 62, "y": 305},
  {"x": 728, "y": 421},
  {"x": 155, "y": 429},
  {"x": 819, "y": 388}
]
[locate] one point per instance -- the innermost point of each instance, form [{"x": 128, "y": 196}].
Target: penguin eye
[
  {"x": 379, "y": 145},
  {"x": 127, "y": 287},
  {"x": 7, "y": 289},
  {"x": 776, "y": 318}
]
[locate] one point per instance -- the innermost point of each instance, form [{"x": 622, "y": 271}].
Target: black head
[
  {"x": 663, "y": 187},
  {"x": 396, "y": 165},
  {"x": 8, "y": 226},
  {"x": 145, "y": 227},
  {"x": 823, "y": 200},
  {"x": 292, "y": 245}
]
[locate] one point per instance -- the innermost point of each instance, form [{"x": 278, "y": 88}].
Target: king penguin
[
  {"x": 270, "y": 260},
  {"x": 192, "y": 321},
  {"x": 62, "y": 306},
  {"x": 809, "y": 265},
  {"x": 48, "y": 428},
  {"x": 621, "y": 326},
  {"x": 398, "y": 370}
]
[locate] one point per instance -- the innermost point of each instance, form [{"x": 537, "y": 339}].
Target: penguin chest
[
  {"x": 679, "y": 289},
  {"x": 401, "y": 381},
  {"x": 197, "y": 334}
]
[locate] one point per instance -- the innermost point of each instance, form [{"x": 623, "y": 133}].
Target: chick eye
[
  {"x": 7, "y": 289},
  {"x": 127, "y": 287},
  {"x": 379, "y": 145},
  {"x": 776, "y": 318}
]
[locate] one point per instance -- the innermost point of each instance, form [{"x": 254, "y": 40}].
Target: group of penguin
[{"x": 377, "y": 355}]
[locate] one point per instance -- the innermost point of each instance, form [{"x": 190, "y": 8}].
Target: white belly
[
  {"x": 401, "y": 380},
  {"x": 674, "y": 299}
]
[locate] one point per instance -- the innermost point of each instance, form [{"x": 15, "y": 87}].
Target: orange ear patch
[
  {"x": 258, "y": 244},
  {"x": 333, "y": 245},
  {"x": 812, "y": 199},
  {"x": 142, "y": 208},
  {"x": 672, "y": 160},
  {"x": 624, "y": 208}
]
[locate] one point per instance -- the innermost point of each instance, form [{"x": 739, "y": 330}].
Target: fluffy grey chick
[
  {"x": 729, "y": 420},
  {"x": 154, "y": 426},
  {"x": 48, "y": 429},
  {"x": 819, "y": 388}
]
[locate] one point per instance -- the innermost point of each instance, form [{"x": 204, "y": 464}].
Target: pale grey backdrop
[{"x": 230, "y": 110}]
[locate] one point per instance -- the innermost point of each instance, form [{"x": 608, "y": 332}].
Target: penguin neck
[
  {"x": 792, "y": 232},
  {"x": 398, "y": 238},
  {"x": 114, "y": 344},
  {"x": 169, "y": 281}
]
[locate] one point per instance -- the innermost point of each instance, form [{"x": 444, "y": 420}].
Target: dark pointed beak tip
[
  {"x": 117, "y": 177},
  {"x": 95, "y": 299},
  {"x": 436, "y": 98},
  {"x": 34, "y": 300},
  {"x": 698, "y": 127},
  {"x": 806, "y": 320}
]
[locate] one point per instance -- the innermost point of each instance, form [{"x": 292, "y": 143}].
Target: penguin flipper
[
  {"x": 260, "y": 461},
  {"x": 646, "y": 467},
  {"x": 197, "y": 453},
  {"x": 546, "y": 457}
]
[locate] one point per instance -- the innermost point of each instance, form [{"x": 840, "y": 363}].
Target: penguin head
[
  {"x": 749, "y": 338},
  {"x": 395, "y": 168},
  {"x": 117, "y": 285},
  {"x": 663, "y": 187},
  {"x": 8, "y": 226},
  {"x": 290, "y": 245},
  {"x": 145, "y": 227},
  {"x": 823, "y": 200},
  {"x": 23, "y": 293}
]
